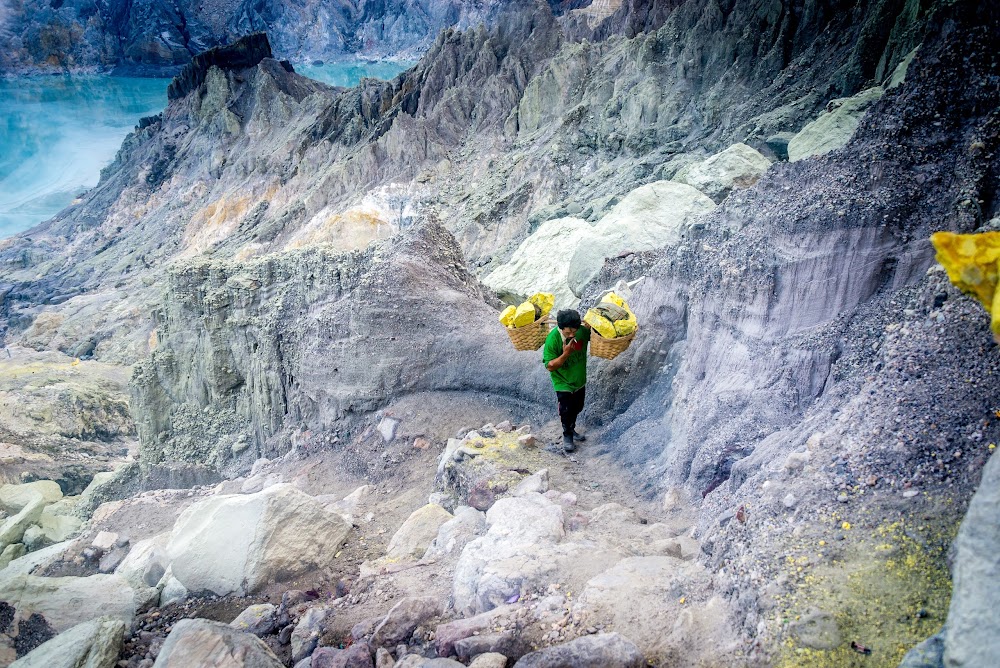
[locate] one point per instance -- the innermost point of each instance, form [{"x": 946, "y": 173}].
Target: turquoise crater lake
[{"x": 57, "y": 133}]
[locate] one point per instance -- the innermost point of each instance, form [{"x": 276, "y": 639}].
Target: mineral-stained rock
[
  {"x": 972, "y": 636},
  {"x": 146, "y": 562},
  {"x": 91, "y": 644},
  {"x": 357, "y": 655},
  {"x": 602, "y": 650},
  {"x": 244, "y": 52},
  {"x": 449, "y": 633},
  {"x": 259, "y": 620},
  {"x": 199, "y": 642},
  {"x": 833, "y": 128},
  {"x": 12, "y": 552},
  {"x": 226, "y": 544},
  {"x": 401, "y": 620}
]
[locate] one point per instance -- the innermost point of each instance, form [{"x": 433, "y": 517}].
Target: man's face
[{"x": 568, "y": 331}]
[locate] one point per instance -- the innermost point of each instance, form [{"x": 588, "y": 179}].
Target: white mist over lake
[{"x": 57, "y": 133}]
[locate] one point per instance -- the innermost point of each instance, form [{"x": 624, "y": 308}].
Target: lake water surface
[{"x": 56, "y": 133}]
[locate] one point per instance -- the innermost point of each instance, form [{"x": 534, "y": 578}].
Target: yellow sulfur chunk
[
  {"x": 544, "y": 301},
  {"x": 973, "y": 263},
  {"x": 624, "y": 327},
  {"x": 524, "y": 315},
  {"x": 600, "y": 324},
  {"x": 507, "y": 317}
]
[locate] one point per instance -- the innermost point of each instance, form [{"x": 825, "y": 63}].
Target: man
[{"x": 565, "y": 356}]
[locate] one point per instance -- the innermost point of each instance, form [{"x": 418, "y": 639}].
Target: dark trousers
[{"x": 570, "y": 405}]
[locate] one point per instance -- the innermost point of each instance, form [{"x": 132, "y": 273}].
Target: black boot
[
  {"x": 568, "y": 445},
  {"x": 580, "y": 438}
]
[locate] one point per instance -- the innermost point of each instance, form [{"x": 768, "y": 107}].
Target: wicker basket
[
  {"x": 530, "y": 337},
  {"x": 609, "y": 348}
]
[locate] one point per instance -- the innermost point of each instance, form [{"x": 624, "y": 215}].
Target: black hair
[{"x": 567, "y": 318}]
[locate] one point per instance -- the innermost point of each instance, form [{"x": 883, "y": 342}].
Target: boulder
[
  {"x": 33, "y": 538},
  {"x": 26, "y": 564},
  {"x": 534, "y": 267},
  {"x": 259, "y": 620},
  {"x": 402, "y": 619},
  {"x": 92, "y": 644},
  {"x": 57, "y": 528},
  {"x": 516, "y": 553},
  {"x": 238, "y": 543},
  {"x": 146, "y": 562},
  {"x": 973, "y": 629},
  {"x": 417, "y": 532},
  {"x": 417, "y": 661},
  {"x": 67, "y": 601},
  {"x": 602, "y": 650},
  {"x": 172, "y": 590},
  {"x": 204, "y": 644},
  {"x": 15, "y": 497},
  {"x": 456, "y": 533},
  {"x": 651, "y": 216},
  {"x": 13, "y": 528},
  {"x": 834, "y": 127},
  {"x": 739, "y": 166}
]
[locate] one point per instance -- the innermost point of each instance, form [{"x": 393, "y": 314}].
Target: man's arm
[{"x": 559, "y": 361}]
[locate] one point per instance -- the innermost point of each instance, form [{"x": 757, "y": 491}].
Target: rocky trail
[{"x": 258, "y": 410}]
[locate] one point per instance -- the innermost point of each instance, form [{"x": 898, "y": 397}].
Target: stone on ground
[
  {"x": 146, "y": 562},
  {"x": 15, "y": 497},
  {"x": 259, "y": 620},
  {"x": 199, "y": 643},
  {"x": 739, "y": 166},
  {"x": 238, "y": 543},
  {"x": 456, "y": 533},
  {"x": 489, "y": 660},
  {"x": 13, "y": 528},
  {"x": 417, "y": 532},
  {"x": 12, "y": 552},
  {"x": 67, "y": 601},
  {"x": 834, "y": 127},
  {"x": 306, "y": 635},
  {"x": 403, "y": 618},
  {"x": 357, "y": 655},
  {"x": 602, "y": 650},
  {"x": 93, "y": 644}
]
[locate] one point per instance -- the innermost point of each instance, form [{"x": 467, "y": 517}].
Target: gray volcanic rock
[
  {"x": 603, "y": 650},
  {"x": 199, "y": 642},
  {"x": 971, "y": 636},
  {"x": 326, "y": 336},
  {"x": 92, "y": 644}
]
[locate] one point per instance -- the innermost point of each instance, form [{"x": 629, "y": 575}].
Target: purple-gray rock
[{"x": 602, "y": 650}]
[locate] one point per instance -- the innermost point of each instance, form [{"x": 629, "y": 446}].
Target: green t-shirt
[{"x": 572, "y": 375}]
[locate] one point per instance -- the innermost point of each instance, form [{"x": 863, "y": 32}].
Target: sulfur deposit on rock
[
  {"x": 973, "y": 262},
  {"x": 834, "y": 127}
]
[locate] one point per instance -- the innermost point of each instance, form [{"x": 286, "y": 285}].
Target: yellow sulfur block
[
  {"x": 524, "y": 315},
  {"x": 600, "y": 324},
  {"x": 544, "y": 301},
  {"x": 507, "y": 316},
  {"x": 973, "y": 264},
  {"x": 624, "y": 327}
]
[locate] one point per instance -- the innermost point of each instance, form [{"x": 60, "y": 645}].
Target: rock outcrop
[{"x": 199, "y": 642}]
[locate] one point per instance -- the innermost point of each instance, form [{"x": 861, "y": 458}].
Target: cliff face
[{"x": 152, "y": 37}]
